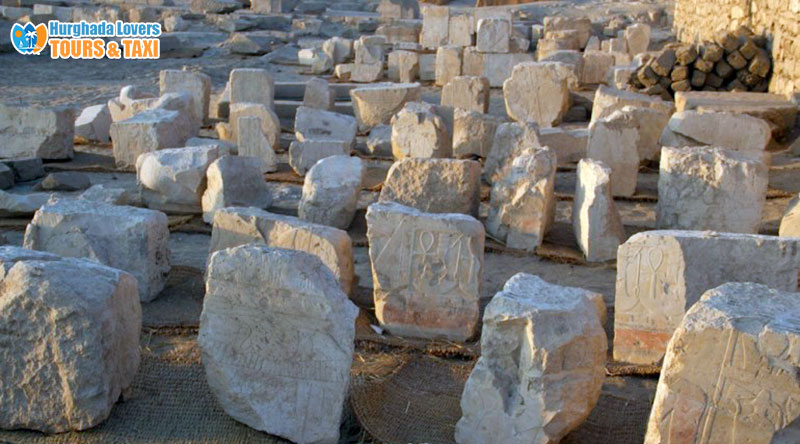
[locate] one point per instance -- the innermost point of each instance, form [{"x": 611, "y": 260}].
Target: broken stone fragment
[
  {"x": 467, "y": 92},
  {"x": 494, "y": 35},
  {"x": 376, "y": 104},
  {"x": 542, "y": 365},
  {"x": 304, "y": 154},
  {"x": 434, "y": 185},
  {"x": 234, "y": 181},
  {"x": 196, "y": 84},
  {"x": 262, "y": 306},
  {"x": 135, "y": 240},
  {"x": 661, "y": 274},
  {"x": 74, "y": 384},
  {"x": 595, "y": 220},
  {"x": 32, "y": 131},
  {"x": 738, "y": 132},
  {"x": 614, "y": 141},
  {"x": 316, "y": 124},
  {"x": 318, "y": 94},
  {"x": 510, "y": 140},
  {"x": 64, "y": 181},
  {"x": 93, "y": 124},
  {"x": 26, "y": 169},
  {"x": 724, "y": 377},
  {"x": 473, "y": 133},
  {"x": 537, "y": 92},
  {"x": 426, "y": 271},
  {"x": 253, "y": 143},
  {"x": 234, "y": 226},
  {"x": 330, "y": 191},
  {"x": 711, "y": 188},
  {"x": 173, "y": 180},
  {"x": 420, "y": 130},
  {"x": 403, "y": 66},
  {"x": 522, "y": 203},
  {"x": 146, "y": 132},
  {"x": 252, "y": 85}
]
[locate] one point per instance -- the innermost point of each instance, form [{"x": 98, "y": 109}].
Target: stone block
[
  {"x": 93, "y": 124},
  {"x": 318, "y": 94},
  {"x": 173, "y": 180},
  {"x": 376, "y": 104},
  {"x": 470, "y": 93},
  {"x": 418, "y": 130},
  {"x": 608, "y": 100},
  {"x": 614, "y": 141},
  {"x": 473, "y": 133},
  {"x": 537, "y": 92},
  {"x": 568, "y": 144},
  {"x": 31, "y": 131},
  {"x": 196, "y": 84},
  {"x": 330, "y": 191},
  {"x": 510, "y": 140},
  {"x": 403, "y": 66},
  {"x": 270, "y": 124},
  {"x": 448, "y": 64},
  {"x": 316, "y": 124},
  {"x": 252, "y": 85},
  {"x": 253, "y": 143},
  {"x": 434, "y": 185},
  {"x": 435, "y": 26},
  {"x": 595, "y": 67},
  {"x": 494, "y": 35},
  {"x": 738, "y": 132},
  {"x": 595, "y": 219},
  {"x": 304, "y": 154},
  {"x": 234, "y": 181},
  {"x": 146, "y": 132}
]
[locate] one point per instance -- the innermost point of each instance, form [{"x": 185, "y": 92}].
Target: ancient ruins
[{"x": 399, "y": 221}]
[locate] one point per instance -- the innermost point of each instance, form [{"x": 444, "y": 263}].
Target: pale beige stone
[
  {"x": 510, "y": 140},
  {"x": 270, "y": 124},
  {"x": 467, "y": 92},
  {"x": 330, "y": 191},
  {"x": 253, "y": 143},
  {"x": 234, "y": 181},
  {"x": 536, "y": 92},
  {"x": 738, "y": 132},
  {"x": 614, "y": 141},
  {"x": 541, "y": 368},
  {"x": 435, "y": 26},
  {"x": 376, "y": 104},
  {"x": 473, "y": 133},
  {"x": 661, "y": 274},
  {"x": 426, "y": 271},
  {"x": 434, "y": 185},
  {"x": 403, "y": 66},
  {"x": 448, "y": 64},
  {"x": 494, "y": 35},
  {"x": 418, "y": 130},
  {"x": 196, "y": 84},
  {"x": 790, "y": 222},
  {"x": 595, "y": 219},
  {"x": 252, "y": 85},
  {"x": 607, "y": 100},
  {"x": 568, "y": 144}
]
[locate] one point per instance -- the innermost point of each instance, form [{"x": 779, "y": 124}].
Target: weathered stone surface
[
  {"x": 595, "y": 67},
  {"x": 738, "y": 132},
  {"x": 277, "y": 335},
  {"x": 614, "y": 140},
  {"x": 376, "y": 104},
  {"x": 583, "y": 26},
  {"x": 426, "y": 271},
  {"x": 473, "y": 133},
  {"x": 93, "y": 124},
  {"x": 26, "y": 169},
  {"x": 317, "y": 60},
  {"x": 637, "y": 37},
  {"x": 496, "y": 67},
  {"x": 510, "y": 140},
  {"x": 30, "y": 131},
  {"x": 522, "y": 204},
  {"x": 434, "y": 185},
  {"x": 568, "y": 144},
  {"x": 725, "y": 376},
  {"x": 131, "y": 239},
  {"x": 316, "y": 124},
  {"x": 14, "y": 205},
  {"x": 234, "y": 226},
  {"x": 196, "y": 84},
  {"x": 595, "y": 220},
  {"x": 173, "y": 180},
  {"x": 494, "y": 35},
  {"x": 368, "y": 49},
  {"x": 391, "y": 10},
  {"x": 319, "y": 95},
  {"x": 330, "y": 191},
  {"x": 403, "y": 66},
  {"x": 435, "y": 26},
  {"x": 461, "y": 29},
  {"x": 660, "y": 274},
  {"x": 708, "y": 188},
  {"x": 536, "y": 92},
  {"x": 541, "y": 368},
  {"x": 270, "y": 124},
  {"x": 91, "y": 317},
  {"x": 379, "y": 142},
  {"x": 146, "y": 132},
  {"x": 253, "y": 143},
  {"x": 467, "y": 92},
  {"x": 650, "y": 123},
  {"x": 448, "y": 64},
  {"x": 64, "y": 181},
  {"x": 6, "y": 177},
  {"x": 303, "y": 155},
  {"x": 252, "y": 85},
  {"x": 109, "y": 195},
  {"x": 418, "y": 130},
  {"x": 234, "y": 181},
  {"x": 607, "y": 100},
  {"x": 790, "y": 222}
]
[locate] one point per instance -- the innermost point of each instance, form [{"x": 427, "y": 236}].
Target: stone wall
[{"x": 698, "y": 20}]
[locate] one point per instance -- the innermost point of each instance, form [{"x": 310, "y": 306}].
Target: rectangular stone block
[
  {"x": 661, "y": 274},
  {"x": 30, "y": 131}
]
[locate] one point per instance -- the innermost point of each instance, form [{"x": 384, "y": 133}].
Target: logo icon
[{"x": 29, "y": 39}]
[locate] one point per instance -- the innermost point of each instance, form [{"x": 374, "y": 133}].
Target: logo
[{"x": 29, "y": 39}]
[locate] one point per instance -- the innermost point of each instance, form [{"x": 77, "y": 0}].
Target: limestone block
[
  {"x": 427, "y": 67},
  {"x": 234, "y": 181},
  {"x": 522, "y": 203},
  {"x": 330, "y": 191},
  {"x": 196, "y": 84},
  {"x": 376, "y": 104},
  {"x": 391, "y": 10},
  {"x": 595, "y": 67},
  {"x": 317, "y": 60},
  {"x": 614, "y": 141},
  {"x": 434, "y": 185},
  {"x": 725, "y": 375},
  {"x": 403, "y": 66},
  {"x": 536, "y": 92},
  {"x": 93, "y": 124},
  {"x": 637, "y": 37},
  {"x": 146, "y": 132},
  {"x": 365, "y": 73},
  {"x": 709, "y": 188},
  {"x": 541, "y": 368},
  {"x": 426, "y": 271},
  {"x": 109, "y": 195},
  {"x": 379, "y": 142},
  {"x": 173, "y": 180},
  {"x": 253, "y": 143},
  {"x": 738, "y": 132},
  {"x": 582, "y": 25},
  {"x": 15, "y": 205},
  {"x": 496, "y": 67},
  {"x": 607, "y": 100},
  {"x": 316, "y": 124},
  {"x": 435, "y": 26},
  {"x": 131, "y": 239},
  {"x": 369, "y": 49},
  {"x": 418, "y": 130},
  {"x": 568, "y": 144},
  {"x": 790, "y": 222},
  {"x": 319, "y": 95},
  {"x": 448, "y": 64},
  {"x": 252, "y": 85},
  {"x": 650, "y": 123},
  {"x": 467, "y": 92},
  {"x": 661, "y": 274},
  {"x": 494, "y": 35},
  {"x": 339, "y": 49},
  {"x": 31, "y": 131},
  {"x": 270, "y": 124},
  {"x": 303, "y": 155},
  {"x": 473, "y": 133},
  {"x": 234, "y": 226},
  {"x": 276, "y": 333},
  {"x": 510, "y": 140},
  {"x": 461, "y": 29},
  {"x": 595, "y": 219},
  {"x": 90, "y": 315}
]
